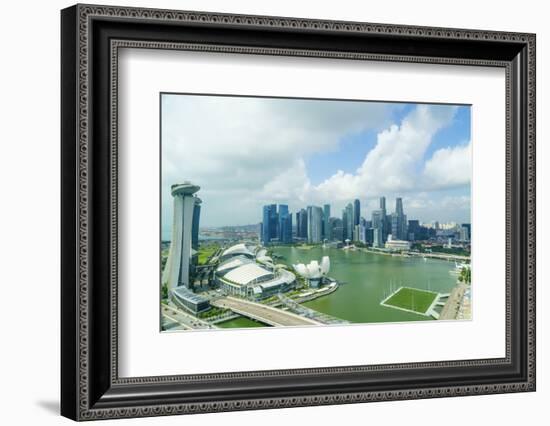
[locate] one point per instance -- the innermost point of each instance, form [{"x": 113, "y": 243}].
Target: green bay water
[
  {"x": 366, "y": 278},
  {"x": 240, "y": 322}
]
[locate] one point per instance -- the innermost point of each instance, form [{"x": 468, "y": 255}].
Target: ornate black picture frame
[{"x": 90, "y": 38}]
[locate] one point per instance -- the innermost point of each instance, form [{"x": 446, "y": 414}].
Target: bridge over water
[
  {"x": 309, "y": 313},
  {"x": 263, "y": 313}
]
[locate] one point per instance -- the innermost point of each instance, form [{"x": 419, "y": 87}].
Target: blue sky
[
  {"x": 247, "y": 152},
  {"x": 353, "y": 148}
]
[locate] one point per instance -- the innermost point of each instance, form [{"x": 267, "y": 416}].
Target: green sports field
[{"x": 411, "y": 299}]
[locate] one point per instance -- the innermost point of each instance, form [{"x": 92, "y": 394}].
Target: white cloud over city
[{"x": 247, "y": 152}]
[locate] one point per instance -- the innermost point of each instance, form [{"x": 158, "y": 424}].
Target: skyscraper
[
  {"x": 348, "y": 220},
  {"x": 356, "y": 212},
  {"x": 399, "y": 221},
  {"x": 309, "y": 210},
  {"x": 378, "y": 228},
  {"x": 377, "y": 237},
  {"x": 335, "y": 229},
  {"x": 314, "y": 224},
  {"x": 301, "y": 225},
  {"x": 285, "y": 224},
  {"x": 395, "y": 226},
  {"x": 413, "y": 230},
  {"x": 326, "y": 218},
  {"x": 359, "y": 233},
  {"x": 383, "y": 204},
  {"x": 344, "y": 224},
  {"x": 399, "y": 205},
  {"x": 288, "y": 230},
  {"x": 269, "y": 223},
  {"x": 265, "y": 225},
  {"x": 369, "y": 235},
  {"x": 465, "y": 232},
  {"x": 274, "y": 222},
  {"x": 195, "y": 227},
  {"x": 185, "y": 224},
  {"x": 386, "y": 224}
]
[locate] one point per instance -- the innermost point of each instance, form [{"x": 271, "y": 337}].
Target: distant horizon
[{"x": 315, "y": 152}]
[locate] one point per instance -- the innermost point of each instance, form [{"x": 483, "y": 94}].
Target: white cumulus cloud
[
  {"x": 390, "y": 167},
  {"x": 246, "y": 152},
  {"x": 251, "y": 150},
  {"x": 451, "y": 166}
]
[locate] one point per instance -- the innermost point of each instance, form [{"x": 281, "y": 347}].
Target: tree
[{"x": 465, "y": 275}]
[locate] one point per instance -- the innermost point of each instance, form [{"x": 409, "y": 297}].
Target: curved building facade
[
  {"x": 250, "y": 274},
  {"x": 314, "y": 272}
]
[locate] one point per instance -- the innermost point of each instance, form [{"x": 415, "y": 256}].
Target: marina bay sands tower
[{"x": 185, "y": 226}]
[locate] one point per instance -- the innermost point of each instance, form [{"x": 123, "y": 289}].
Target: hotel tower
[{"x": 185, "y": 225}]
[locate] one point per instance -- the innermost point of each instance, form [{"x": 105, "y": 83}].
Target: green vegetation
[
  {"x": 163, "y": 258},
  {"x": 465, "y": 275},
  {"x": 412, "y": 299},
  {"x": 296, "y": 244},
  {"x": 212, "y": 312},
  {"x": 269, "y": 300},
  {"x": 206, "y": 252},
  {"x": 164, "y": 291},
  {"x": 441, "y": 249},
  {"x": 293, "y": 293},
  {"x": 300, "y": 281}
]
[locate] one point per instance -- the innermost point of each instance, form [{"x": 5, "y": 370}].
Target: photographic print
[{"x": 280, "y": 212}]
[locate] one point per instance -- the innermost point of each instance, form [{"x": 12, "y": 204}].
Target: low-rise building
[
  {"x": 397, "y": 245},
  {"x": 189, "y": 301},
  {"x": 254, "y": 278}
]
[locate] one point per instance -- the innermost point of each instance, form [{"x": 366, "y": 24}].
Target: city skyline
[
  {"x": 315, "y": 153},
  {"x": 315, "y": 224},
  {"x": 240, "y": 280}
]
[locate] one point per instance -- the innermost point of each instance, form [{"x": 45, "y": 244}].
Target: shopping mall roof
[
  {"x": 264, "y": 259},
  {"x": 237, "y": 250},
  {"x": 248, "y": 273},
  {"x": 232, "y": 263},
  {"x": 285, "y": 277}
]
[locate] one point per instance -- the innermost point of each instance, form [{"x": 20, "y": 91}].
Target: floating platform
[{"x": 413, "y": 300}]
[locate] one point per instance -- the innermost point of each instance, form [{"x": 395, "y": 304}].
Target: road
[
  {"x": 263, "y": 313},
  {"x": 188, "y": 322}
]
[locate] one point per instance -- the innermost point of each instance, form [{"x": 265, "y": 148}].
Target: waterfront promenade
[
  {"x": 426, "y": 255},
  {"x": 451, "y": 308}
]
